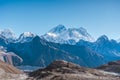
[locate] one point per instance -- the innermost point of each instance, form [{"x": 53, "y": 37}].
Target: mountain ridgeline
[
  {"x": 63, "y": 70},
  {"x": 73, "y": 45}
]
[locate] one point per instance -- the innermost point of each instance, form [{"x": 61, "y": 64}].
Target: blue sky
[{"x": 39, "y": 16}]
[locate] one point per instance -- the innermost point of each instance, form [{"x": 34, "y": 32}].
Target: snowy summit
[
  {"x": 26, "y": 37},
  {"x": 7, "y": 33},
  {"x": 60, "y": 34}
]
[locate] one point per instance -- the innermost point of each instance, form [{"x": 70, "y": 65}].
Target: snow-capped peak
[
  {"x": 26, "y": 37},
  {"x": 8, "y": 34},
  {"x": 58, "y": 29},
  {"x": 83, "y": 31},
  {"x": 27, "y": 34},
  {"x": 60, "y": 34}
]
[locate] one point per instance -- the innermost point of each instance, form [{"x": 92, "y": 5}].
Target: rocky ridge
[{"x": 62, "y": 70}]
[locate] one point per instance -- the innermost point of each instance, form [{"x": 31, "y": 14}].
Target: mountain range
[
  {"x": 73, "y": 44},
  {"x": 60, "y": 34}
]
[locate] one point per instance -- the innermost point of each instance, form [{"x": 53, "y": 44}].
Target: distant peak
[
  {"x": 103, "y": 38},
  {"x": 8, "y": 33},
  {"x": 82, "y": 29},
  {"x": 60, "y": 34},
  {"x": 26, "y": 37},
  {"x": 58, "y": 29},
  {"x": 28, "y": 34},
  {"x": 6, "y": 30},
  {"x": 60, "y": 26}
]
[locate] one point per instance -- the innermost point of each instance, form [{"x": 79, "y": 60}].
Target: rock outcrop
[
  {"x": 113, "y": 66},
  {"x": 9, "y": 68},
  {"x": 9, "y": 72},
  {"x": 62, "y": 70}
]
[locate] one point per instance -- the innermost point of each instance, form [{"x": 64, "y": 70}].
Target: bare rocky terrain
[
  {"x": 113, "y": 66},
  {"x": 9, "y": 72},
  {"x": 62, "y": 70}
]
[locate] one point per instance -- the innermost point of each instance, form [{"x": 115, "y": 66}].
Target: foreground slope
[
  {"x": 9, "y": 68},
  {"x": 62, "y": 70},
  {"x": 9, "y": 72}
]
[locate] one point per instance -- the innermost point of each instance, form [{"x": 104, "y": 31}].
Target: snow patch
[{"x": 52, "y": 34}]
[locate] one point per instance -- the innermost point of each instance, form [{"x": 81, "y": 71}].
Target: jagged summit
[
  {"x": 9, "y": 36},
  {"x": 58, "y": 29},
  {"x": 102, "y": 38},
  {"x": 60, "y": 34},
  {"x": 27, "y": 34},
  {"x": 26, "y": 37},
  {"x": 8, "y": 33}
]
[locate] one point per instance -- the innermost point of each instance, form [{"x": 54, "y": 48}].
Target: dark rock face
[
  {"x": 40, "y": 53},
  {"x": 3, "y": 41},
  {"x": 111, "y": 67},
  {"x": 62, "y": 70},
  {"x": 114, "y": 63},
  {"x": 109, "y": 49},
  {"x": 60, "y": 64},
  {"x": 36, "y": 51}
]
